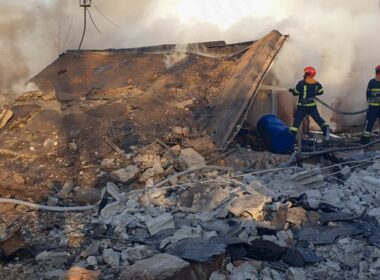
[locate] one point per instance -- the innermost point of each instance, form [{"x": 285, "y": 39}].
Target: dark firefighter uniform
[
  {"x": 373, "y": 98},
  {"x": 306, "y": 90}
]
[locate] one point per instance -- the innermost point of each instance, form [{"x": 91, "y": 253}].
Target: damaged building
[{"x": 147, "y": 163}]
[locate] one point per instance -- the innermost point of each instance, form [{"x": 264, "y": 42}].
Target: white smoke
[{"x": 338, "y": 37}]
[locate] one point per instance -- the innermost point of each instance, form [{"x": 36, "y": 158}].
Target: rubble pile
[{"x": 166, "y": 214}]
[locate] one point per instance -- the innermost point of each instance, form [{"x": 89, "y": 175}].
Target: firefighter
[
  {"x": 373, "y": 98},
  {"x": 306, "y": 90}
]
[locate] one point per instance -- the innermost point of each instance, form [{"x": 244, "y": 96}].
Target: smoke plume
[{"x": 338, "y": 37}]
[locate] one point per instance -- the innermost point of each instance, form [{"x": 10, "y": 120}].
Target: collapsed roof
[{"x": 213, "y": 82}]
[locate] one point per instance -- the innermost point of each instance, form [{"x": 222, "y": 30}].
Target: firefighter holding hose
[
  {"x": 373, "y": 113},
  {"x": 306, "y": 90}
]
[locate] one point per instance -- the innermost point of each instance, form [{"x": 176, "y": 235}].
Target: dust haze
[{"x": 338, "y": 37}]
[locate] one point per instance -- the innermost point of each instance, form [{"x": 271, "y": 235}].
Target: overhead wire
[
  {"x": 93, "y": 22},
  {"x": 84, "y": 28},
  {"x": 69, "y": 30},
  {"x": 100, "y": 12}
]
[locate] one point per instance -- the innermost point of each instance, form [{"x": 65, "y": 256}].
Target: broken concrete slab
[
  {"x": 197, "y": 249},
  {"x": 297, "y": 215},
  {"x": 162, "y": 222},
  {"x": 112, "y": 209},
  {"x": 158, "y": 267},
  {"x": 218, "y": 276},
  {"x": 125, "y": 174},
  {"x": 192, "y": 158},
  {"x": 114, "y": 191},
  {"x": 137, "y": 253},
  {"x": 371, "y": 183},
  {"x": 55, "y": 274},
  {"x": 308, "y": 179},
  {"x": 374, "y": 238},
  {"x": 250, "y": 205},
  {"x": 57, "y": 258},
  {"x": 321, "y": 235},
  {"x": 200, "y": 199},
  {"x": 296, "y": 274},
  {"x": 111, "y": 257},
  {"x": 244, "y": 271},
  {"x": 183, "y": 233}
]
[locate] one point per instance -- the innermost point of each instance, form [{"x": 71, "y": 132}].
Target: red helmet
[
  {"x": 377, "y": 69},
  {"x": 310, "y": 71}
]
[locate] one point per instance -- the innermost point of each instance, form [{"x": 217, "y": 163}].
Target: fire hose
[
  {"x": 47, "y": 208},
  {"x": 316, "y": 98}
]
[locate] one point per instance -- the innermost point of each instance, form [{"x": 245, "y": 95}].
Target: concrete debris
[
  {"x": 5, "y": 116},
  {"x": 371, "y": 183},
  {"x": 217, "y": 276},
  {"x": 297, "y": 215},
  {"x": 198, "y": 200},
  {"x": 149, "y": 173},
  {"x": 58, "y": 258},
  {"x": 198, "y": 250},
  {"x": 183, "y": 233},
  {"x": 123, "y": 175},
  {"x": 246, "y": 271},
  {"x": 161, "y": 266},
  {"x": 162, "y": 222},
  {"x": 55, "y": 274},
  {"x": 136, "y": 253},
  {"x": 250, "y": 205},
  {"x": 114, "y": 191},
  {"x": 270, "y": 226},
  {"x": 112, "y": 209},
  {"x": 107, "y": 162},
  {"x": 91, "y": 260},
  {"x": 296, "y": 274},
  {"x": 201, "y": 145},
  {"x": 192, "y": 158},
  {"x": 86, "y": 196},
  {"x": 66, "y": 189},
  {"x": 320, "y": 235},
  {"x": 308, "y": 179},
  {"x": 111, "y": 257},
  {"x": 92, "y": 249}
]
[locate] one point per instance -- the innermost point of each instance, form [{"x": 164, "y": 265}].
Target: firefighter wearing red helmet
[
  {"x": 373, "y": 113},
  {"x": 306, "y": 90}
]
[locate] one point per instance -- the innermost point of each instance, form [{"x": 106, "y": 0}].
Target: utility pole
[{"x": 85, "y": 4}]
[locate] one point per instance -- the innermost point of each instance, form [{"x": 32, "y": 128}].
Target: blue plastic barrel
[{"x": 276, "y": 135}]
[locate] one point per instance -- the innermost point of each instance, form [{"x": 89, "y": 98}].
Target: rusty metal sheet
[{"x": 242, "y": 86}]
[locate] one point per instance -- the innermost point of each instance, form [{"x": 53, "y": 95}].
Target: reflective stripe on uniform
[
  {"x": 296, "y": 91},
  {"x": 325, "y": 124},
  {"x": 366, "y": 134},
  {"x": 294, "y": 129},
  {"x": 320, "y": 91},
  {"x": 374, "y": 89},
  {"x": 308, "y": 105},
  {"x": 304, "y": 92},
  {"x": 374, "y": 104}
]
